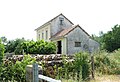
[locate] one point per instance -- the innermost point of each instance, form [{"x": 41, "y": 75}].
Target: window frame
[
  {"x": 42, "y": 35},
  {"x": 61, "y": 20},
  {"x": 46, "y": 34},
  {"x": 77, "y": 44},
  {"x": 39, "y": 36}
]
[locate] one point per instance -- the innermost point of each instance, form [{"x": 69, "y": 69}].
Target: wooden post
[
  {"x": 35, "y": 72},
  {"x": 92, "y": 65},
  {"x": 92, "y": 61}
]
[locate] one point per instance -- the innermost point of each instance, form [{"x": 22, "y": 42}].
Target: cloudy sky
[{"x": 19, "y": 18}]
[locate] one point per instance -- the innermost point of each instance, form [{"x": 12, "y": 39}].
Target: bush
[
  {"x": 108, "y": 63},
  {"x": 82, "y": 65},
  {"x": 102, "y": 62},
  {"x": 11, "y": 71},
  {"x": 38, "y": 47},
  {"x": 2, "y": 49},
  {"x": 79, "y": 68}
]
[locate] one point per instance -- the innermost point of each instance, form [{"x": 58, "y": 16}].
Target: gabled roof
[
  {"x": 64, "y": 32},
  {"x": 53, "y": 19}
]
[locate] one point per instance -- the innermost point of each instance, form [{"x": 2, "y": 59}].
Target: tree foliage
[
  {"x": 109, "y": 41},
  {"x": 12, "y": 45},
  {"x": 15, "y": 72},
  {"x": 1, "y": 51},
  {"x": 4, "y": 40},
  {"x": 18, "y": 46},
  {"x": 112, "y": 39},
  {"x": 78, "y": 69},
  {"x": 99, "y": 39},
  {"x": 38, "y": 47}
]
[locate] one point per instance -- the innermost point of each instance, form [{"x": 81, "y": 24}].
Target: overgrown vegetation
[
  {"x": 75, "y": 68},
  {"x": 20, "y": 46},
  {"x": 78, "y": 68},
  {"x": 12, "y": 44},
  {"x": 107, "y": 63},
  {"x": 38, "y": 47},
  {"x": 112, "y": 39},
  {"x": 109, "y": 41},
  {"x": 2, "y": 49},
  {"x": 15, "y": 71}
]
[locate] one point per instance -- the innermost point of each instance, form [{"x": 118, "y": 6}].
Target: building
[{"x": 69, "y": 38}]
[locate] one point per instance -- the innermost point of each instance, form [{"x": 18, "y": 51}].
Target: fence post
[
  {"x": 35, "y": 72},
  {"x": 92, "y": 64}
]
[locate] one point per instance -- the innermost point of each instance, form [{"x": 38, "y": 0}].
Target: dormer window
[{"x": 61, "y": 20}]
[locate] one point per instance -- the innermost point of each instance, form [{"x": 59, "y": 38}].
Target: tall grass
[
  {"x": 107, "y": 63},
  {"x": 77, "y": 70}
]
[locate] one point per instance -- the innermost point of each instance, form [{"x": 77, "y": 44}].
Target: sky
[{"x": 20, "y": 18}]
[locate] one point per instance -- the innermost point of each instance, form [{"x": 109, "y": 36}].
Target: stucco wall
[
  {"x": 43, "y": 30},
  {"x": 56, "y": 27},
  {"x": 77, "y": 35},
  {"x": 93, "y": 46},
  {"x": 64, "y": 45}
]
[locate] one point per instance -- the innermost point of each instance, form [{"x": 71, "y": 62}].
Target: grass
[
  {"x": 101, "y": 78},
  {"x": 107, "y": 78}
]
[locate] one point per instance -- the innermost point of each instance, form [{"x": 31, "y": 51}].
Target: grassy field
[
  {"x": 107, "y": 78},
  {"x": 101, "y": 78}
]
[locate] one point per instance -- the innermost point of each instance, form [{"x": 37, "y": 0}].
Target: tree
[
  {"x": 112, "y": 39},
  {"x": 12, "y": 44},
  {"x": 1, "y": 51},
  {"x": 4, "y": 40},
  {"x": 38, "y": 47},
  {"x": 99, "y": 39}
]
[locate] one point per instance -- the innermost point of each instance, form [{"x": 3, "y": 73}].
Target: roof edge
[
  {"x": 53, "y": 19},
  {"x": 80, "y": 28}
]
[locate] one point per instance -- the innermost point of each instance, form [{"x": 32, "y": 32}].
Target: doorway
[{"x": 59, "y": 47}]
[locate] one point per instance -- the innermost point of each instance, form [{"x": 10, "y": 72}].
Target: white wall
[{"x": 43, "y": 30}]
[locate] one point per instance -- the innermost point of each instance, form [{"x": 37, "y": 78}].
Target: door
[{"x": 59, "y": 47}]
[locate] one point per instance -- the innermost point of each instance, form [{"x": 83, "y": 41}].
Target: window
[
  {"x": 77, "y": 44},
  {"x": 39, "y": 36},
  {"x": 42, "y": 35},
  {"x": 61, "y": 20},
  {"x": 46, "y": 34}
]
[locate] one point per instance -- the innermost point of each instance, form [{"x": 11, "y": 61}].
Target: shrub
[
  {"x": 38, "y": 47},
  {"x": 11, "y": 71},
  {"x": 82, "y": 64},
  {"x": 79, "y": 67},
  {"x": 101, "y": 63},
  {"x": 2, "y": 49},
  {"x": 108, "y": 63}
]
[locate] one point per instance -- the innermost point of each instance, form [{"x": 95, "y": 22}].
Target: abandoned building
[{"x": 68, "y": 37}]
